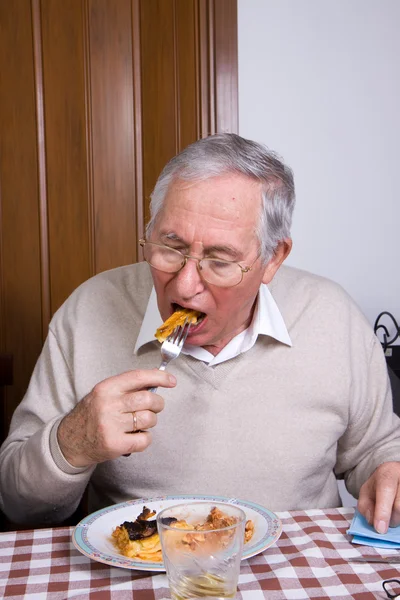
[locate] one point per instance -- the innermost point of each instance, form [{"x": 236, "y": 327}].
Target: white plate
[{"x": 92, "y": 536}]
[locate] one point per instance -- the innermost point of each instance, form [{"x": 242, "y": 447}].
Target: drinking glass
[{"x": 201, "y": 563}]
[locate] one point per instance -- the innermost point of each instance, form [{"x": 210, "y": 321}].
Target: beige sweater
[{"x": 272, "y": 425}]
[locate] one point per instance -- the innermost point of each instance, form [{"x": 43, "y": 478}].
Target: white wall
[{"x": 319, "y": 82}]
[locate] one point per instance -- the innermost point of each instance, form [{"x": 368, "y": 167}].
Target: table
[{"x": 308, "y": 561}]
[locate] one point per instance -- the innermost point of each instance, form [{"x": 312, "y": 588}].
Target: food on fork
[
  {"x": 139, "y": 539},
  {"x": 177, "y": 318}
]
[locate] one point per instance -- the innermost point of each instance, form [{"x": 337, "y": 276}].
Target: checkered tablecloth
[{"x": 308, "y": 561}]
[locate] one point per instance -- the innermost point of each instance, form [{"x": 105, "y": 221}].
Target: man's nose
[{"x": 188, "y": 280}]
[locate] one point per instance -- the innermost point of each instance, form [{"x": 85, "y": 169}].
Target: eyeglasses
[
  {"x": 387, "y": 585},
  {"x": 217, "y": 271}
]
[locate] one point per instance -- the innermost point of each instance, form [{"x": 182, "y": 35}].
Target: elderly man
[{"x": 281, "y": 387}]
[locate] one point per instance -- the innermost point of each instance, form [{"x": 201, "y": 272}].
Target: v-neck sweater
[{"x": 275, "y": 425}]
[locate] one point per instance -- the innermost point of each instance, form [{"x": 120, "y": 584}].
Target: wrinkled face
[{"x": 215, "y": 218}]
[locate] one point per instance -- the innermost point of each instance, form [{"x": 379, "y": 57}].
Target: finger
[
  {"x": 366, "y": 504},
  {"x": 131, "y": 422},
  {"x": 143, "y": 400},
  {"x": 137, "y": 442},
  {"x": 144, "y": 419},
  {"x": 135, "y": 380},
  {"x": 386, "y": 491},
  {"x": 395, "y": 518}
]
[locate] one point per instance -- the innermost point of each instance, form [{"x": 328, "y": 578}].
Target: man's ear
[{"x": 282, "y": 251}]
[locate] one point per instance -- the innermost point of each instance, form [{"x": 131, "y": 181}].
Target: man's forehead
[{"x": 227, "y": 197}]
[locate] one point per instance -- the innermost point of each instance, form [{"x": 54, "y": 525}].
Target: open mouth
[{"x": 179, "y": 317}]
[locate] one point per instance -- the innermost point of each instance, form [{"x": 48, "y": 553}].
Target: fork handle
[{"x": 160, "y": 368}]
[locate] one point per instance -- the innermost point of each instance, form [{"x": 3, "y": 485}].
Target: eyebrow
[{"x": 227, "y": 249}]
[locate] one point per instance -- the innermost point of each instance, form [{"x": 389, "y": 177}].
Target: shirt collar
[
  {"x": 267, "y": 320},
  {"x": 151, "y": 321}
]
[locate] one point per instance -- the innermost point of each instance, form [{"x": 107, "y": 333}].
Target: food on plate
[
  {"x": 177, "y": 318},
  {"x": 139, "y": 539},
  {"x": 216, "y": 522},
  {"x": 248, "y": 531}
]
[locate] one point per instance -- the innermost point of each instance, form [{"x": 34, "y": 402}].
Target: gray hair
[{"x": 225, "y": 153}]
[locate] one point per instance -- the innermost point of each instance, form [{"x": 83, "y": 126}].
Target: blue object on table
[{"x": 365, "y": 534}]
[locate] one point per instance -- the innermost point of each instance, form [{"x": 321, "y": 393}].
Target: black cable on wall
[{"x": 387, "y": 342}]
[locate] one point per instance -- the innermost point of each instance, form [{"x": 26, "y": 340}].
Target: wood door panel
[
  {"x": 63, "y": 51},
  {"x": 20, "y": 280},
  {"x": 96, "y": 96},
  {"x": 112, "y": 110},
  {"x": 226, "y": 68},
  {"x": 159, "y": 90},
  {"x": 187, "y": 72}
]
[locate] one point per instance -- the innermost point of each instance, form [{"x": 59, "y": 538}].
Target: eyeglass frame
[
  {"x": 186, "y": 257},
  {"x": 388, "y": 593}
]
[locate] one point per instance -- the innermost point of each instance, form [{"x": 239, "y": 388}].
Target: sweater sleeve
[
  {"x": 37, "y": 487},
  {"x": 373, "y": 434}
]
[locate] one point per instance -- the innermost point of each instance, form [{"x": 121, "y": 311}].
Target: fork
[{"x": 172, "y": 346}]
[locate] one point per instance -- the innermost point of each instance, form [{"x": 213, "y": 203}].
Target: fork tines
[{"x": 179, "y": 335}]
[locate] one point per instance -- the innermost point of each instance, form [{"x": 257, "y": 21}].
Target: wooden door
[{"x": 95, "y": 97}]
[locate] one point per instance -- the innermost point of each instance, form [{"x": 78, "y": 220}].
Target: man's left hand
[{"x": 379, "y": 499}]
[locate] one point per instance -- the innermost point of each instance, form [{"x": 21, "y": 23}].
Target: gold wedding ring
[{"x": 135, "y": 427}]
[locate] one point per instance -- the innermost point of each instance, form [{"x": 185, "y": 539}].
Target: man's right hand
[{"x": 100, "y": 426}]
